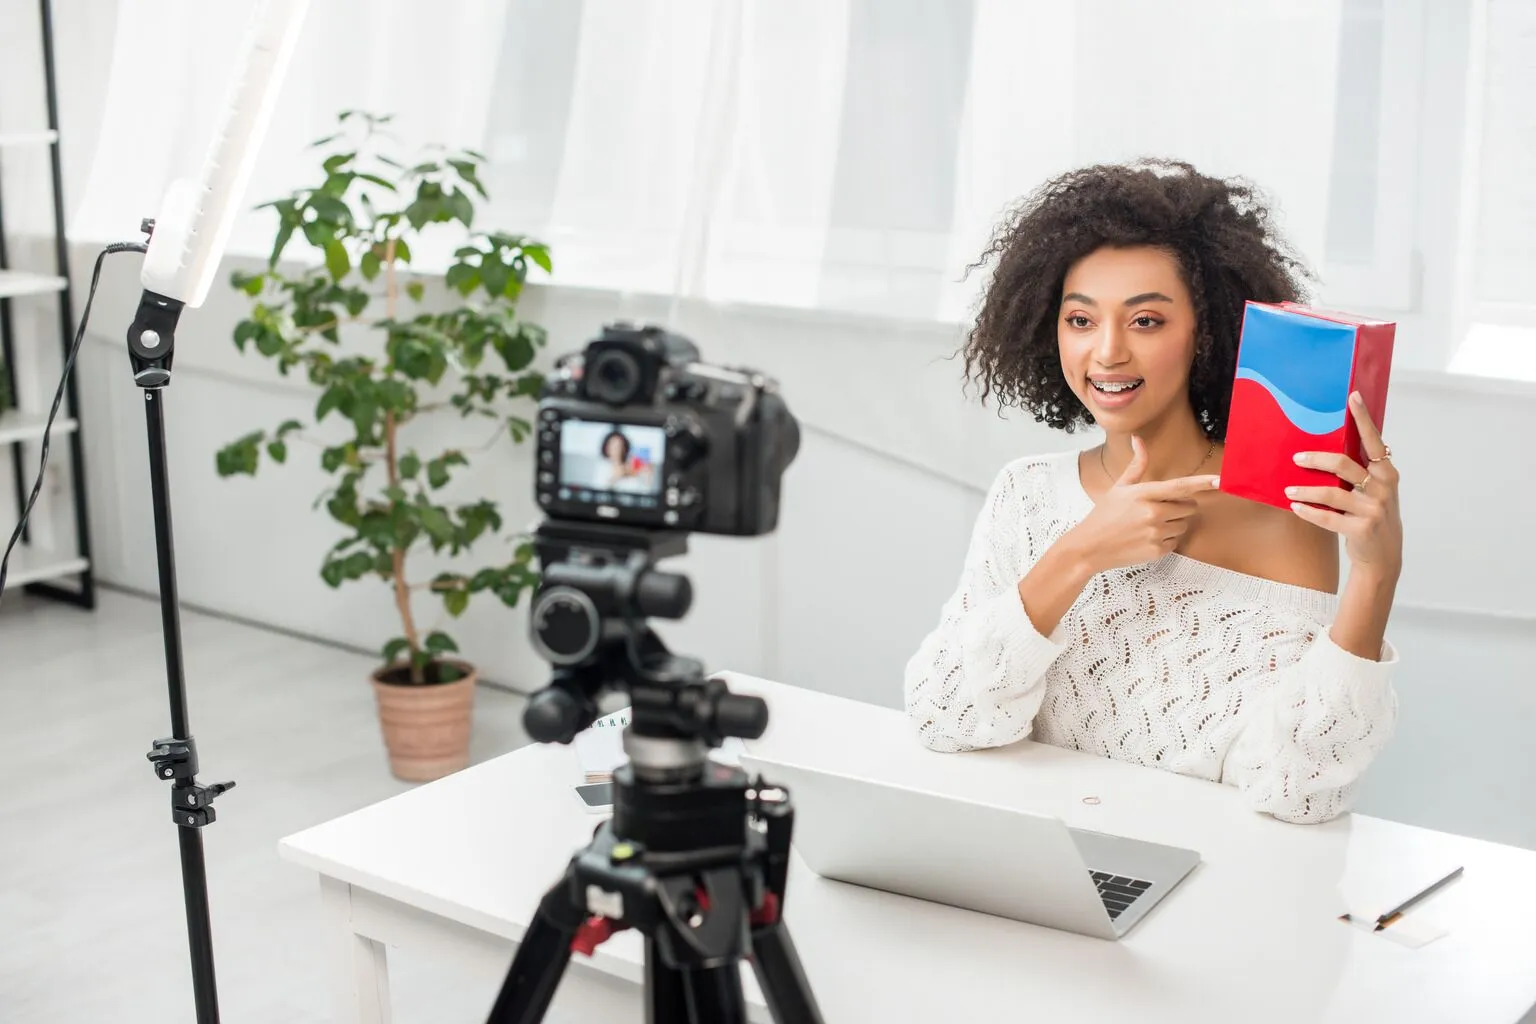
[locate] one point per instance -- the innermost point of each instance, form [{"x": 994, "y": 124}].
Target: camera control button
[
  {"x": 546, "y": 477},
  {"x": 673, "y": 497},
  {"x": 547, "y": 457},
  {"x": 669, "y": 517}
]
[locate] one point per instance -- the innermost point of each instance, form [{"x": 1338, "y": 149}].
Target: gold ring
[{"x": 1386, "y": 453}]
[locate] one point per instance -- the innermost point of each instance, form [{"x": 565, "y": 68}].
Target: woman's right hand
[{"x": 1135, "y": 521}]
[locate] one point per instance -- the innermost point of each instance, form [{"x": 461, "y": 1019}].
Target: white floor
[{"x": 91, "y": 916}]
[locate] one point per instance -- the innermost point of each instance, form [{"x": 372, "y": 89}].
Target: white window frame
[{"x": 1389, "y": 281}]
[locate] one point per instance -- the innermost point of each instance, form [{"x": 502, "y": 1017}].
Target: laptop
[{"x": 995, "y": 860}]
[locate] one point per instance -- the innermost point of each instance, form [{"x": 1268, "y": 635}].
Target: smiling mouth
[{"x": 1115, "y": 387}]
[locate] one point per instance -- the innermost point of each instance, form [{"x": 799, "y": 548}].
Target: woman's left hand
[{"x": 1367, "y": 516}]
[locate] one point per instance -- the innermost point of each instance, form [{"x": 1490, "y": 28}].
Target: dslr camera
[{"x": 637, "y": 431}]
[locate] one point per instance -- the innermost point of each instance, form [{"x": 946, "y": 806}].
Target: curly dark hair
[
  {"x": 1219, "y": 230},
  {"x": 622, "y": 440}
]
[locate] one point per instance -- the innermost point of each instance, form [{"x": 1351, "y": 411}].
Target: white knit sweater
[{"x": 1175, "y": 663}]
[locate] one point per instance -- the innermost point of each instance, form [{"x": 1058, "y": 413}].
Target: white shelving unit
[
  {"x": 36, "y": 314},
  {"x": 34, "y": 565},
  {"x": 28, "y": 426},
  {"x": 16, "y": 283}
]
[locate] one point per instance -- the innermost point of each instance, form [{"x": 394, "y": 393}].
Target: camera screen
[{"x": 611, "y": 463}]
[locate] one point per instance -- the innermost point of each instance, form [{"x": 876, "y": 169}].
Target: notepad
[{"x": 600, "y": 749}]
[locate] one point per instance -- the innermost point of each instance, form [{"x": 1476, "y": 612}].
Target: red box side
[{"x": 1370, "y": 375}]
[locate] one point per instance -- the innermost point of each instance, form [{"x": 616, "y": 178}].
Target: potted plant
[{"x": 356, "y": 323}]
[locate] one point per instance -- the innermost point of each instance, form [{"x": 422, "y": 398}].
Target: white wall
[{"x": 877, "y": 512}]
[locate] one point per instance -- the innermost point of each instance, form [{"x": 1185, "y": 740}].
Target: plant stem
[{"x": 392, "y": 465}]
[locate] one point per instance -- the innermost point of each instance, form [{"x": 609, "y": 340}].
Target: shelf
[
  {"x": 26, "y": 426},
  {"x": 15, "y": 283},
  {"x": 45, "y": 138},
  {"x": 29, "y": 565}
]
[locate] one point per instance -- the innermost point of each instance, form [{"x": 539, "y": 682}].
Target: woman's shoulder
[{"x": 1046, "y": 481}]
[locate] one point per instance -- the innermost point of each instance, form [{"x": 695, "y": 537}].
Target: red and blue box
[{"x": 1296, "y": 367}]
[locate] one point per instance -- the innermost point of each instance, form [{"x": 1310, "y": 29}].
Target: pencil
[{"x": 1396, "y": 912}]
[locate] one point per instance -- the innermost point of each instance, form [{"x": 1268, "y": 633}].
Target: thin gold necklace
[{"x": 1111, "y": 477}]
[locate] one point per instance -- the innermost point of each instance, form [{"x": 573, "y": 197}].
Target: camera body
[{"x": 636, "y": 430}]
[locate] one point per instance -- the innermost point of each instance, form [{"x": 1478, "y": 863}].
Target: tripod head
[{"x": 599, "y": 586}]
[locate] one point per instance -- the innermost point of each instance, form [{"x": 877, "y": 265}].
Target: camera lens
[{"x": 613, "y": 377}]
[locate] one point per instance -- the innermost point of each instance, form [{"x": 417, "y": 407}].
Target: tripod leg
[
  {"x": 703, "y": 995},
  {"x": 541, "y": 958},
  {"x": 781, "y": 976}
]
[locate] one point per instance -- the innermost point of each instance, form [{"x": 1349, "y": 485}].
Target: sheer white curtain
[
  {"x": 849, "y": 155},
  {"x": 171, "y": 71},
  {"x": 855, "y": 154}
]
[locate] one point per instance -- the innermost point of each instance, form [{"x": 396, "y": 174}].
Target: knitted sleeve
[
  {"x": 976, "y": 679},
  {"x": 1301, "y": 750}
]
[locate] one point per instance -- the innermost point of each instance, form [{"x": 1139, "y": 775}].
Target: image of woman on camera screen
[
  {"x": 622, "y": 469},
  {"x": 1113, "y": 599}
]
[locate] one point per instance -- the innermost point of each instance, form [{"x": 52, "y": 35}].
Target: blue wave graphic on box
[
  {"x": 1313, "y": 421},
  {"x": 1304, "y": 358}
]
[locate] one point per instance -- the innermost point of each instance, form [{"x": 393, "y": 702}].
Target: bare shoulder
[{"x": 1265, "y": 541}]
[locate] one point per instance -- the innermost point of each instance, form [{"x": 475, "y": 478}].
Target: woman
[
  {"x": 618, "y": 472},
  {"x": 1113, "y": 600}
]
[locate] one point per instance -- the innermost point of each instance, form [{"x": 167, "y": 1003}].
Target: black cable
[{"x": 58, "y": 399}]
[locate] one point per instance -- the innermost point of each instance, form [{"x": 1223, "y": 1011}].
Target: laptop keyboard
[{"x": 1118, "y": 892}]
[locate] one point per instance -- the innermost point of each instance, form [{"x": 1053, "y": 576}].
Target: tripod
[
  {"x": 696, "y": 856},
  {"x": 150, "y": 345}
]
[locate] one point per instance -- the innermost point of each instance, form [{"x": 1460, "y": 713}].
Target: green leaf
[
  {"x": 455, "y": 602},
  {"x": 495, "y": 274},
  {"x": 437, "y": 524},
  {"x": 416, "y": 290},
  {"x": 269, "y": 342},
  {"x": 331, "y": 573},
  {"x": 239, "y": 456},
  {"x": 251, "y": 284},
  {"x": 462, "y": 208},
  {"x": 437, "y": 474},
  {"x": 370, "y": 265},
  {"x": 330, "y": 399},
  {"x": 410, "y": 465},
  {"x": 419, "y": 212},
  {"x": 519, "y": 427},
  {"x": 333, "y": 459},
  {"x": 462, "y": 277},
  {"x": 336, "y": 259},
  {"x": 402, "y": 250},
  {"x": 540, "y": 255},
  {"x": 357, "y": 301},
  {"x": 375, "y": 179},
  {"x": 288, "y": 427},
  {"x": 396, "y": 647},
  {"x": 280, "y": 243},
  {"x": 245, "y": 330},
  {"x": 439, "y": 642},
  {"x": 516, "y": 350},
  {"x": 278, "y": 450},
  {"x": 331, "y": 211}
]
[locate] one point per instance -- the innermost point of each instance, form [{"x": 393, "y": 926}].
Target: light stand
[
  {"x": 151, "y": 342},
  {"x": 179, "y": 265}
]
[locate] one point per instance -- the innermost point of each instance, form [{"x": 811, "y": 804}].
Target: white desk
[{"x": 1251, "y": 935}]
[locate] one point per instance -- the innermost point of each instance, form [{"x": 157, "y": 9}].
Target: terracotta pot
[{"x": 426, "y": 726}]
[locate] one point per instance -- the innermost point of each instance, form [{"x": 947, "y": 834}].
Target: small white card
[{"x": 600, "y": 749}]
